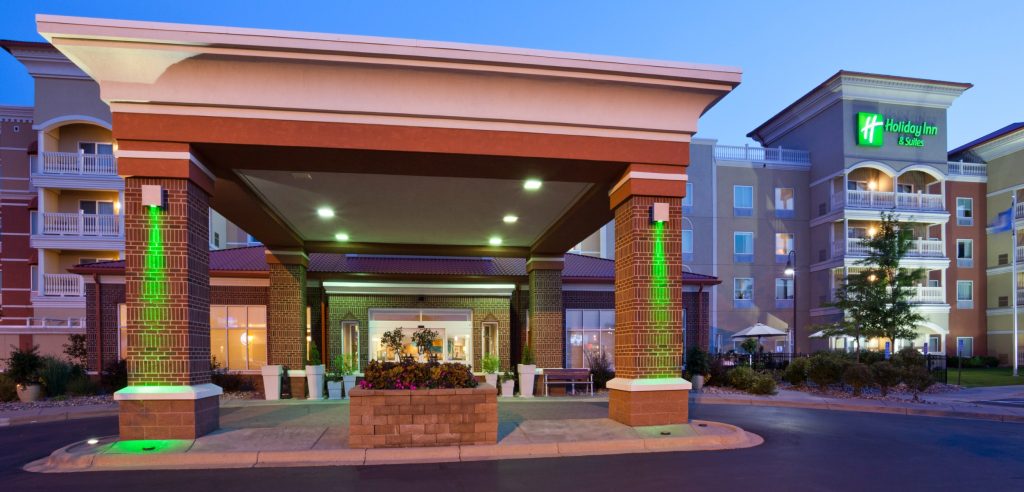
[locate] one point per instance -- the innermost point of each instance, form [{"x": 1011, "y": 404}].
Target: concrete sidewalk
[
  {"x": 977, "y": 403},
  {"x": 316, "y": 433}
]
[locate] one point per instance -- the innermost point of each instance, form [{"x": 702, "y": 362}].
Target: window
[
  {"x": 688, "y": 199},
  {"x": 238, "y": 336},
  {"x": 965, "y": 294},
  {"x": 743, "y": 247},
  {"x": 964, "y": 211},
  {"x": 784, "y": 206},
  {"x": 857, "y": 185},
  {"x": 454, "y": 329},
  {"x": 687, "y": 235},
  {"x": 588, "y": 332},
  {"x": 743, "y": 289},
  {"x": 96, "y": 148},
  {"x": 784, "y": 243},
  {"x": 743, "y": 200},
  {"x": 350, "y": 341},
  {"x": 783, "y": 289},
  {"x": 965, "y": 346},
  {"x": 490, "y": 334},
  {"x": 93, "y": 207},
  {"x": 122, "y": 331},
  {"x": 964, "y": 252},
  {"x": 216, "y": 239},
  {"x": 34, "y": 282},
  {"x": 934, "y": 344},
  {"x": 904, "y": 188}
]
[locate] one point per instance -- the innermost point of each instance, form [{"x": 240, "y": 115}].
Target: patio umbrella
[{"x": 759, "y": 331}]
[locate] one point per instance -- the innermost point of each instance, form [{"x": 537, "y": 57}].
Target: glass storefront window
[
  {"x": 350, "y": 341},
  {"x": 490, "y": 333},
  {"x": 588, "y": 332},
  {"x": 453, "y": 326},
  {"x": 238, "y": 336}
]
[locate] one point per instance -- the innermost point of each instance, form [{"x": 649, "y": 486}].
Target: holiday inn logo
[
  {"x": 872, "y": 127},
  {"x": 870, "y": 132}
]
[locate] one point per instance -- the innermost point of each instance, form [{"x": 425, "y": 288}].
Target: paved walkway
[{"x": 303, "y": 433}]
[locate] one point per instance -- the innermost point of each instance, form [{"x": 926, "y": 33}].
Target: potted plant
[
  {"x": 348, "y": 372},
  {"x": 698, "y": 366},
  {"x": 508, "y": 384},
  {"x": 527, "y": 372},
  {"x": 23, "y": 368},
  {"x": 315, "y": 373},
  {"x": 334, "y": 380},
  {"x": 424, "y": 341},
  {"x": 393, "y": 340},
  {"x": 490, "y": 365}
]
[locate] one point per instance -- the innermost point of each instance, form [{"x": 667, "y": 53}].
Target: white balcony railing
[
  {"x": 885, "y": 200},
  {"x": 762, "y": 154},
  {"x": 80, "y": 224},
  {"x": 928, "y": 295},
  {"x": 1020, "y": 255},
  {"x": 49, "y": 323},
  {"x": 76, "y": 164},
  {"x": 919, "y": 248},
  {"x": 968, "y": 169},
  {"x": 63, "y": 285},
  {"x": 1018, "y": 211}
]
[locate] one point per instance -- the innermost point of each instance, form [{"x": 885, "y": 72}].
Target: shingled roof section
[{"x": 253, "y": 259}]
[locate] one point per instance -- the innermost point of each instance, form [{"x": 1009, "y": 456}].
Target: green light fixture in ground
[
  {"x": 510, "y": 219},
  {"x": 341, "y": 236},
  {"x": 325, "y": 212},
  {"x": 532, "y": 184},
  {"x": 494, "y": 241}
]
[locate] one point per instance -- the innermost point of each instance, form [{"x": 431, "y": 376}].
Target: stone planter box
[{"x": 428, "y": 417}]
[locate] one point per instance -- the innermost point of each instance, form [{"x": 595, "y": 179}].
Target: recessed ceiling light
[
  {"x": 495, "y": 241},
  {"x": 341, "y": 236},
  {"x": 510, "y": 219},
  {"x": 325, "y": 212},
  {"x": 532, "y": 184}
]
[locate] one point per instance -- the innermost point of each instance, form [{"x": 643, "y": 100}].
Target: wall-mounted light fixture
[
  {"x": 659, "y": 212},
  {"x": 154, "y": 196}
]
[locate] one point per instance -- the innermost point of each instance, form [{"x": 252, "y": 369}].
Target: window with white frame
[
  {"x": 784, "y": 243},
  {"x": 100, "y": 148},
  {"x": 238, "y": 336},
  {"x": 935, "y": 344},
  {"x": 965, "y": 252},
  {"x": 965, "y": 346},
  {"x": 964, "y": 211},
  {"x": 743, "y": 200},
  {"x": 122, "y": 331},
  {"x": 688, "y": 199},
  {"x": 743, "y": 243},
  {"x": 965, "y": 294},
  {"x": 588, "y": 332},
  {"x": 687, "y": 241},
  {"x": 785, "y": 199},
  {"x": 33, "y": 272},
  {"x": 490, "y": 341},
  {"x": 96, "y": 207},
  {"x": 743, "y": 289},
  {"x": 454, "y": 329},
  {"x": 350, "y": 341},
  {"x": 783, "y": 289}
]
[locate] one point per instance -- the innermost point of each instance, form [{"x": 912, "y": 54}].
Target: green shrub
[
  {"x": 697, "y": 361},
  {"x": 527, "y": 357},
  {"x": 8, "y": 390},
  {"x": 416, "y": 375},
  {"x": 909, "y": 357},
  {"x": 82, "y": 386},
  {"x": 742, "y": 378},
  {"x": 796, "y": 371},
  {"x": 990, "y": 361},
  {"x": 600, "y": 368},
  {"x": 885, "y": 375},
  {"x": 826, "y": 369},
  {"x": 750, "y": 345},
  {"x": 115, "y": 375},
  {"x": 23, "y": 366},
  {"x": 231, "y": 382},
  {"x": 55, "y": 374},
  {"x": 869, "y": 357},
  {"x": 857, "y": 376},
  {"x": 763, "y": 384},
  {"x": 917, "y": 378},
  {"x": 76, "y": 349},
  {"x": 490, "y": 364},
  {"x": 313, "y": 357},
  {"x": 718, "y": 375}
]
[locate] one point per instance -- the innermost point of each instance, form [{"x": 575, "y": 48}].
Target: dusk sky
[{"x": 784, "y": 48}]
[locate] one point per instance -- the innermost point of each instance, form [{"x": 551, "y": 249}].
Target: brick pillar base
[
  {"x": 185, "y": 413},
  {"x": 639, "y": 408}
]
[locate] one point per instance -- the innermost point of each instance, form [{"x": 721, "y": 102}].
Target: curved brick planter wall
[{"x": 431, "y": 417}]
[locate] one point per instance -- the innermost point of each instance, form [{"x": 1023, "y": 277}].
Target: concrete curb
[
  {"x": 938, "y": 411},
  {"x": 719, "y": 437}
]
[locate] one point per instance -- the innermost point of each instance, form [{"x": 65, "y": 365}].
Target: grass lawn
[{"x": 998, "y": 376}]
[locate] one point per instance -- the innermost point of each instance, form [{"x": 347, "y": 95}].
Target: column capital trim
[
  {"x": 164, "y": 164},
  {"x": 649, "y": 180},
  {"x": 651, "y": 384},
  {"x": 193, "y": 392},
  {"x": 287, "y": 257},
  {"x": 545, "y": 263}
]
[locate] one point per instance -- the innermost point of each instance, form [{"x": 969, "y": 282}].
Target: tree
[{"x": 876, "y": 298}]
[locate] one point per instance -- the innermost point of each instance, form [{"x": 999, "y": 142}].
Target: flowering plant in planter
[{"x": 416, "y": 375}]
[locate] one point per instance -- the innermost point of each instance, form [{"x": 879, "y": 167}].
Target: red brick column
[
  {"x": 547, "y": 319},
  {"x": 167, "y": 291},
  {"x": 648, "y": 388},
  {"x": 286, "y": 315}
]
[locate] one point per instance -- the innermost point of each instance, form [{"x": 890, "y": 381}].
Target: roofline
[
  {"x": 841, "y": 73},
  {"x": 997, "y": 134},
  {"x": 7, "y": 44}
]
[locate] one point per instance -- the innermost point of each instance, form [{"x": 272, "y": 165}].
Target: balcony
[
  {"x": 42, "y": 325},
  {"x": 968, "y": 169},
  {"x": 776, "y": 155},
  {"x": 888, "y": 200},
  {"x": 72, "y": 230},
  {"x": 62, "y": 285},
  {"x": 1018, "y": 211},
  {"x": 928, "y": 295},
  {"x": 919, "y": 248},
  {"x": 87, "y": 171}
]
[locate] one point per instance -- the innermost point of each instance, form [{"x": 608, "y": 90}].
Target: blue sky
[{"x": 785, "y": 48}]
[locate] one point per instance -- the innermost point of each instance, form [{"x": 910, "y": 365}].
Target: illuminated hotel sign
[{"x": 872, "y": 127}]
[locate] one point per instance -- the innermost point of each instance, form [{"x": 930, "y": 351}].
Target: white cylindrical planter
[
  {"x": 350, "y": 384},
  {"x": 508, "y": 388},
  {"x": 527, "y": 373},
  {"x": 272, "y": 381},
  {"x": 315, "y": 381},
  {"x": 491, "y": 379},
  {"x": 334, "y": 390}
]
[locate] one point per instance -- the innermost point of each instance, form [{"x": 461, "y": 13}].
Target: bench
[{"x": 572, "y": 377}]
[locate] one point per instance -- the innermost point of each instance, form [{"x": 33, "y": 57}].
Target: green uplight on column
[
  {"x": 660, "y": 296},
  {"x": 153, "y": 293}
]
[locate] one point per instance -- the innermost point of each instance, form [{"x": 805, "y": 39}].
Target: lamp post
[{"x": 791, "y": 272}]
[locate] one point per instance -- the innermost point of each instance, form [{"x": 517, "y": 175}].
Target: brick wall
[
  {"x": 580, "y": 299},
  {"x": 238, "y": 296},
  {"x": 697, "y": 305},
  {"x": 547, "y": 318},
  {"x": 286, "y": 316},
  {"x": 648, "y": 341},
  {"x": 433, "y": 417},
  {"x": 167, "y": 284},
  {"x": 356, "y": 308},
  {"x": 110, "y": 296}
]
